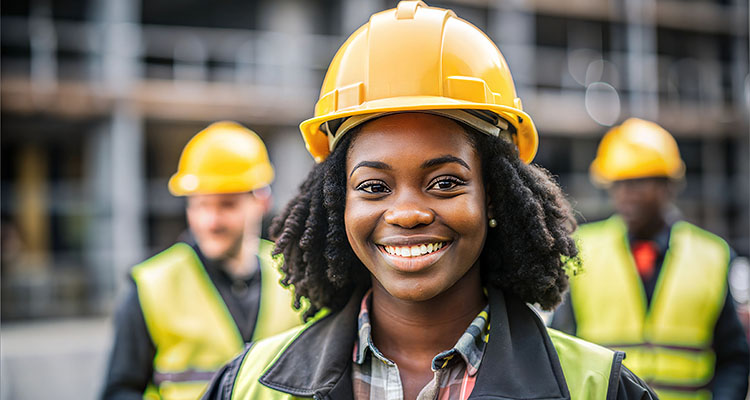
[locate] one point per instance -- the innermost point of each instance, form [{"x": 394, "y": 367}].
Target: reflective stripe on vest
[
  {"x": 193, "y": 332},
  {"x": 587, "y": 367},
  {"x": 669, "y": 344}
]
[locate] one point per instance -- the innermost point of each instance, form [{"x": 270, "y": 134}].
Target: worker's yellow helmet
[
  {"x": 225, "y": 157},
  {"x": 417, "y": 58},
  {"x": 636, "y": 149}
]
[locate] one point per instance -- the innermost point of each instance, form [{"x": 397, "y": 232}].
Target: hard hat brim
[
  {"x": 526, "y": 138},
  {"x": 250, "y": 180},
  {"x": 601, "y": 178}
]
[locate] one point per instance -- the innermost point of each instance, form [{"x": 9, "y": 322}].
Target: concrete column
[
  {"x": 511, "y": 25},
  {"x": 642, "y": 66},
  {"x": 98, "y": 188},
  {"x": 120, "y": 71},
  {"x": 43, "y": 40},
  {"x": 128, "y": 189}
]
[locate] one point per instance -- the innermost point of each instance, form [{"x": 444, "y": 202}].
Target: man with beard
[
  {"x": 652, "y": 285},
  {"x": 193, "y": 306}
]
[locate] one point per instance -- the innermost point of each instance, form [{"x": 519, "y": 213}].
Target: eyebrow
[
  {"x": 444, "y": 160},
  {"x": 371, "y": 164},
  {"x": 427, "y": 164}
]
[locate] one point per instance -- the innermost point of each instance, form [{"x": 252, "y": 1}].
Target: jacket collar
[{"x": 520, "y": 361}]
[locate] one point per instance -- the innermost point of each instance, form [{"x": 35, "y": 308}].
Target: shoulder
[
  {"x": 613, "y": 223},
  {"x": 686, "y": 228},
  {"x": 630, "y": 387},
  {"x": 175, "y": 255},
  {"x": 241, "y": 375},
  {"x": 600, "y": 361},
  {"x": 593, "y": 371}
]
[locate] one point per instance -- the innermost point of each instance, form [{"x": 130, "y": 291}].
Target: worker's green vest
[
  {"x": 193, "y": 332},
  {"x": 587, "y": 367},
  {"x": 669, "y": 343}
]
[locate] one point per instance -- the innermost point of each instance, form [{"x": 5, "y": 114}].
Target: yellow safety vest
[
  {"x": 193, "y": 332},
  {"x": 669, "y": 343},
  {"x": 587, "y": 367}
]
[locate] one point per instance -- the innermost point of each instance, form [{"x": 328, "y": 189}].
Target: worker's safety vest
[
  {"x": 669, "y": 343},
  {"x": 193, "y": 332},
  {"x": 587, "y": 367}
]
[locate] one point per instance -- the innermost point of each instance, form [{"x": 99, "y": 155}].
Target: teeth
[{"x": 413, "y": 251}]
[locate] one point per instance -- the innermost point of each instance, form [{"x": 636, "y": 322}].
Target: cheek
[
  {"x": 469, "y": 219},
  {"x": 194, "y": 221},
  {"x": 468, "y": 214},
  {"x": 234, "y": 220},
  {"x": 357, "y": 222}
]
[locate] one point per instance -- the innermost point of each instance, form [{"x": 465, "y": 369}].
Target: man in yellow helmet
[
  {"x": 194, "y": 306},
  {"x": 652, "y": 285}
]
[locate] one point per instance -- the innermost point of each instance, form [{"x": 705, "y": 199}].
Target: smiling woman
[{"x": 423, "y": 225}]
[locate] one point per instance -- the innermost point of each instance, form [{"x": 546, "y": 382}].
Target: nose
[
  {"x": 409, "y": 215},
  {"x": 212, "y": 220}
]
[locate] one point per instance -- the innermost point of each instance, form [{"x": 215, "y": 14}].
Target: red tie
[{"x": 645, "y": 253}]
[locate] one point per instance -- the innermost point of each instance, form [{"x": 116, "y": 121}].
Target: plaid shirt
[{"x": 375, "y": 377}]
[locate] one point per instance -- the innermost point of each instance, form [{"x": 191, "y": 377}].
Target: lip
[
  {"x": 416, "y": 263},
  {"x": 411, "y": 240}
]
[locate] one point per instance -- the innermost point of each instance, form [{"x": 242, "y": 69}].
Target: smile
[{"x": 413, "y": 251}]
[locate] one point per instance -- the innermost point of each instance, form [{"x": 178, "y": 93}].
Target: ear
[
  {"x": 264, "y": 197},
  {"x": 490, "y": 209}
]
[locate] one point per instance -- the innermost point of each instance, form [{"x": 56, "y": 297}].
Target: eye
[
  {"x": 374, "y": 187},
  {"x": 446, "y": 183}
]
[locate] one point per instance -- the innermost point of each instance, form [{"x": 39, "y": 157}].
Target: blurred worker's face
[
  {"x": 219, "y": 222},
  {"x": 416, "y": 213},
  {"x": 642, "y": 203}
]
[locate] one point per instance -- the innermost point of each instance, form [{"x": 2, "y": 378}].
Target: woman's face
[{"x": 415, "y": 203}]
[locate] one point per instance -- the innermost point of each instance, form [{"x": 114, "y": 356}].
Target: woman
[{"x": 421, "y": 227}]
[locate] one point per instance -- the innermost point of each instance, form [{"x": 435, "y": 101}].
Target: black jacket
[{"x": 520, "y": 361}]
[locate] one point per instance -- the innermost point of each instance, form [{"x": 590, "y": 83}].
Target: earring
[{"x": 493, "y": 222}]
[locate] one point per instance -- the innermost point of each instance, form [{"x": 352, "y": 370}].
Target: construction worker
[
  {"x": 193, "y": 306},
  {"x": 423, "y": 225},
  {"x": 651, "y": 284}
]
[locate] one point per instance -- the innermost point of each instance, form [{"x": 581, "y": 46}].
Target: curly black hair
[{"x": 524, "y": 254}]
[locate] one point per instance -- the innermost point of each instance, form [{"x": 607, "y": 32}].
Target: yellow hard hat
[
  {"x": 225, "y": 157},
  {"x": 636, "y": 149},
  {"x": 417, "y": 58}
]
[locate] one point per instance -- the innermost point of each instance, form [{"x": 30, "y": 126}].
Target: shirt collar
[
  {"x": 469, "y": 347},
  {"x": 660, "y": 238}
]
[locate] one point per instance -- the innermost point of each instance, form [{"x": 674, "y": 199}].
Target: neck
[
  {"x": 244, "y": 262},
  {"x": 408, "y": 330},
  {"x": 650, "y": 230}
]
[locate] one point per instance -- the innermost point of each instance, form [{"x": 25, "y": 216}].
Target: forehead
[
  {"x": 642, "y": 184},
  {"x": 409, "y": 137},
  {"x": 222, "y": 198}
]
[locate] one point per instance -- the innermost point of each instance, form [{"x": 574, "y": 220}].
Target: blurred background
[{"x": 98, "y": 97}]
